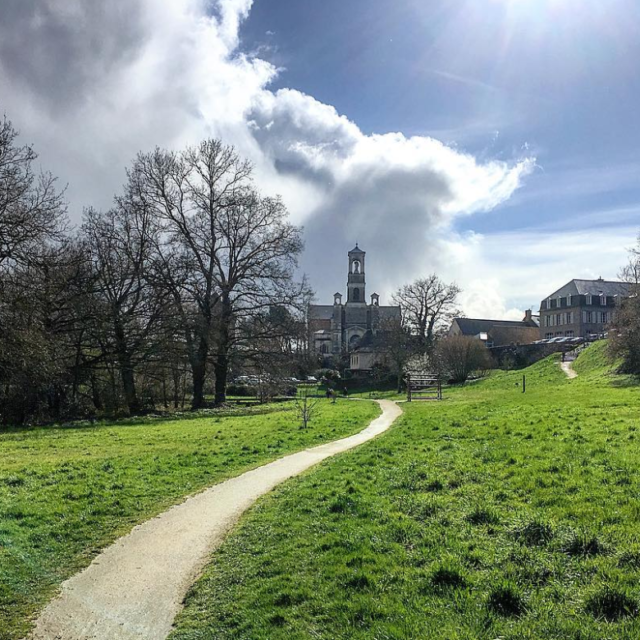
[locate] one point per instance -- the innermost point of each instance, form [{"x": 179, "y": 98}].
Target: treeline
[{"x": 151, "y": 303}]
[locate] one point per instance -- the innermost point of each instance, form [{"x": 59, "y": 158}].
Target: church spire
[{"x": 356, "y": 279}]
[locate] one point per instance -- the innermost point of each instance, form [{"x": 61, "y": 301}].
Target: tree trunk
[
  {"x": 198, "y": 372},
  {"x": 126, "y": 370},
  {"x": 221, "y": 367}
]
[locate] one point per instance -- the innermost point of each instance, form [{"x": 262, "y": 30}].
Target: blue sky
[
  {"x": 492, "y": 141},
  {"x": 498, "y": 78}
]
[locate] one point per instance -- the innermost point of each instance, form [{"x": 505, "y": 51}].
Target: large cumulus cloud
[{"x": 92, "y": 82}]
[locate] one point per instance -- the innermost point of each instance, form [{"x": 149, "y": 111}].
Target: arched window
[
  {"x": 356, "y": 295},
  {"x": 324, "y": 348},
  {"x": 356, "y": 266}
]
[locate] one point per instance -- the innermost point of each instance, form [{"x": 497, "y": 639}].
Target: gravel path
[
  {"x": 135, "y": 588},
  {"x": 567, "y": 367}
]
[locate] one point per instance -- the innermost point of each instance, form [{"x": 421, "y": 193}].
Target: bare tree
[
  {"x": 32, "y": 210},
  {"x": 428, "y": 307},
  {"x": 396, "y": 346},
  {"x": 223, "y": 253},
  {"x": 119, "y": 244},
  {"x": 306, "y": 405},
  {"x": 457, "y": 357},
  {"x": 631, "y": 271}
]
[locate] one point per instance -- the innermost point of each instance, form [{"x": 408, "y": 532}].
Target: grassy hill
[
  {"x": 491, "y": 514},
  {"x": 66, "y": 493}
]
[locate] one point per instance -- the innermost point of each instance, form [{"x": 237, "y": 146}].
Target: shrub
[
  {"x": 242, "y": 390},
  {"x": 457, "y": 357}
]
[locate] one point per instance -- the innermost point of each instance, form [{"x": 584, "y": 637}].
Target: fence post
[{"x": 524, "y": 384}]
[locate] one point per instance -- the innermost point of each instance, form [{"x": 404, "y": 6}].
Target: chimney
[{"x": 528, "y": 316}]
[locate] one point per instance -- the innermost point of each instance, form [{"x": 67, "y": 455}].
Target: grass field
[
  {"x": 493, "y": 514},
  {"x": 65, "y": 493}
]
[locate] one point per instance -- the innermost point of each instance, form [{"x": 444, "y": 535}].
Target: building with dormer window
[{"x": 581, "y": 309}]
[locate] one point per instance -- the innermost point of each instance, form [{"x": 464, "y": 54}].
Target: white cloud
[
  {"x": 503, "y": 274},
  {"x": 105, "y": 80}
]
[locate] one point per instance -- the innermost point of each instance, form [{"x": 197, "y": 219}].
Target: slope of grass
[
  {"x": 595, "y": 362},
  {"x": 491, "y": 514},
  {"x": 65, "y": 493}
]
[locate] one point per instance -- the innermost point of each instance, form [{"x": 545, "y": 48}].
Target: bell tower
[{"x": 355, "y": 280}]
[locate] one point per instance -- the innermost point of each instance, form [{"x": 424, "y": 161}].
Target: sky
[{"x": 493, "y": 142}]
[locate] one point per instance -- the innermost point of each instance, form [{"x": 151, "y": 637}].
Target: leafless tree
[
  {"x": 306, "y": 405},
  {"x": 457, "y": 357},
  {"x": 631, "y": 271},
  {"x": 396, "y": 346},
  {"x": 119, "y": 244},
  {"x": 223, "y": 252},
  {"x": 32, "y": 210},
  {"x": 428, "y": 307}
]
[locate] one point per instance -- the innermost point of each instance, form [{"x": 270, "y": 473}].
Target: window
[
  {"x": 569, "y": 300},
  {"x": 548, "y": 335},
  {"x": 570, "y": 317},
  {"x": 589, "y": 299},
  {"x": 559, "y": 303},
  {"x": 568, "y": 334},
  {"x": 603, "y": 300},
  {"x": 588, "y": 316},
  {"x": 324, "y": 348},
  {"x": 356, "y": 295},
  {"x": 558, "y": 319}
]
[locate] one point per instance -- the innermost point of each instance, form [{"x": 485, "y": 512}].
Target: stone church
[{"x": 351, "y": 326}]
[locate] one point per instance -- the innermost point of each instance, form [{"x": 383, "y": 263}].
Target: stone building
[
  {"x": 497, "y": 333},
  {"x": 581, "y": 309},
  {"x": 342, "y": 327}
]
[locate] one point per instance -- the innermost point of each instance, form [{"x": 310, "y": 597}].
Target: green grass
[
  {"x": 493, "y": 514},
  {"x": 65, "y": 493}
]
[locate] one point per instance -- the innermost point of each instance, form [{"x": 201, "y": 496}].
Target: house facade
[
  {"x": 343, "y": 327},
  {"x": 498, "y": 333},
  {"x": 581, "y": 308}
]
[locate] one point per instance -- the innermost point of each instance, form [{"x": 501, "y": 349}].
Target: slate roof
[
  {"x": 472, "y": 326},
  {"x": 592, "y": 287},
  {"x": 320, "y": 312}
]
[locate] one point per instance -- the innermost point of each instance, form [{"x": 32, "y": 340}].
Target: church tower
[{"x": 355, "y": 281}]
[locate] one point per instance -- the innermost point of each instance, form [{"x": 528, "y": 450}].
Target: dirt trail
[
  {"x": 567, "y": 367},
  {"x": 135, "y": 587}
]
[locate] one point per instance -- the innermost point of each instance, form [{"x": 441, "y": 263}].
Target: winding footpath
[
  {"x": 135, "y": 587},
  {"x": 568, "y": 369}
]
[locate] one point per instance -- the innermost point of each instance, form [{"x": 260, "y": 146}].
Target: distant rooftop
[{"x": 578, "y": 287}]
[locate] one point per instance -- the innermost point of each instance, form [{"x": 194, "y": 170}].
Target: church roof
[
  {"x": 320, "y": 312},
  {"x": 357, "y": 249}
]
